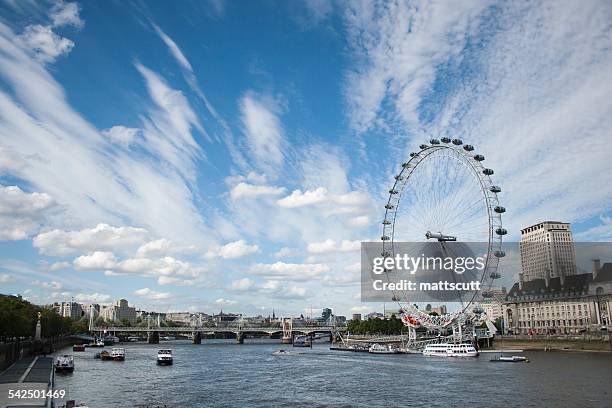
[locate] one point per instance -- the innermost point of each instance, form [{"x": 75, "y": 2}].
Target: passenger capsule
[
  {"x": 495, "y": 275},
  {"x": 385, "y": 254},
  {"x": 495, "y": 189},
  {"x": 488, "y": 172},
  {"x": 413, "y": 154},
  {"x": 478, "y": 310},
  {"x": 468, "y": 148},
  {"x": 386, "y": 222},
  {"x": 399, "y": 177},
  {"x": 499, "y": 253},
  {"x": 445, "y": 140},
  {"x": 501, "y": 231},
  {"x": 385, "y": 238},
  {"x": 457, "y": 142},
  {"x": 479, "y": 157},
  {"x": 406, "y": 165},
  {"x": 434, "y": 141},
  {"x": 499, "y": 209},
  {"x": 389, "y": 206},
  {"x": 487, "y": 294},
  {"x": 423, "y": 146},
  {"x": 393, "y": 191}
]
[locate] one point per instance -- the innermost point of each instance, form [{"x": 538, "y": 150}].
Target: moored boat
[
  {"x": 96, "y": 343},
  {"x": 450, "y": 350},
  {"x": 510, "y": 359},
  {"x": 64, "y": 364},
  {"x": 164, "y": 357},
  {"x": 302, "y": 341},
  {"x": 382, "y": 349},
  {"x": 117, "y": 354},
  {"x": 78, "y": 347}
]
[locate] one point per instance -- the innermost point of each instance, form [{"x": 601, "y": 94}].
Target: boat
[
  {"x": 105, "y": 356},
  {"x": 302, "y": 341},
  {"x": 117, "y": 354},
  {"x": 285, "y": 353},
  {"x": 64, "y": 364},
  {"x": 406, "y": 350},
  {"x": 78, "y": 347},
  {"x": 450, "y": 350},
  {"x": 133, "y": 339},
  {"x": 510, "y": 359},
  {"x": 382, "y": 349},
  {"x": 164, "y": 357},
  {"x": 110, "y": 340},
  {"x": 167, "y": 338},
  {"x": 96, "y": 343}
]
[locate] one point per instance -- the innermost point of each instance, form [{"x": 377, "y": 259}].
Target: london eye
[{"x": 444, "y": 193}]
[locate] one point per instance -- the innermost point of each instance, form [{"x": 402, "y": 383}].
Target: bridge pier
[
  {"x": 153, "y": 338},
  {"x": 197, "y": 338},
  {"x": 240, "y": 338},
  {"x": 287, "y": 340}
]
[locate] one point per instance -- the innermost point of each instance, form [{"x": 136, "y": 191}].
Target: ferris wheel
[{"x": 445, "y": 194}]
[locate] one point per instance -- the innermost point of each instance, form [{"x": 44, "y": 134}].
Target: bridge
[{"x": 239, "y": 328}]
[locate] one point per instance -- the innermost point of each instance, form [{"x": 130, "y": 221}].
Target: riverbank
[{"x": 552, "y": 344}]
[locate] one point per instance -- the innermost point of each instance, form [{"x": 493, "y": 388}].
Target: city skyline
[{"x": 237, "y": 164}]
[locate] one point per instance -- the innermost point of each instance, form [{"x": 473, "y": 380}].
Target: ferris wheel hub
[{"x": 440, "y": 237}]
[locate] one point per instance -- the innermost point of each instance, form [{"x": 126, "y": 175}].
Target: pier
[{"x": 28, "y": 374}]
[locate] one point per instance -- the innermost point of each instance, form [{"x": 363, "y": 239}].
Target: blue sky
[{"x": 209, "y": 155}]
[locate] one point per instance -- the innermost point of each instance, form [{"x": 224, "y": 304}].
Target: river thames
[{"x": 220, "y": 373}]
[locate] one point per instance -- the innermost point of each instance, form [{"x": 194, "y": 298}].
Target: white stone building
[{"x": 547, "y": 250}]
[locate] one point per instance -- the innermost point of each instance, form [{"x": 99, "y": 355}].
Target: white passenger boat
[
  {"x": 382, "y": 349},
  {"x": 64, "y": 364},
  {"x": 450, "y": 350},
  {"x": 164, "y": 357},
  {"x": 117, "y": 354}
]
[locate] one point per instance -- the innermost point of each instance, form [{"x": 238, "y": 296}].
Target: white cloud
[
  {"x": 102, "y": 237},
  {"x": 122, "y": 135},
  {"x": 98, "y": 260},
  {"x": 53, "y": 285},
  {"x": 263, "y": 130},
  {"x": 241, "y": 284},
  {"x": 6, "y": 278},
  {"x": 55, "y": 149},
  {"x": 63, "y": 13},
  {"x": 329, "y": 245},
  {"x": 246, "y": 190},
  {"x": 57, "y": 266},
  {"x": 232, "y": 250},
  {"x": 225, "y": 302},
  {"x": 299, "y": 199},
  {"x": 289, "y": 271},
  {"x": 92, "y": 297},
  {"x": 45, "y": 44},
  {"x": 286, "y": 252},
  {"x": 151, "y": 294},
  {"x": 398, "y": 47},
  {"x": 21, "y": 213}
]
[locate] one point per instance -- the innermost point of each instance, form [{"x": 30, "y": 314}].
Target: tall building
[
  {"x": 356, "y": 316},
  {"x": 68, "y": 309},
  {"x": 547, "y": 251},
  {"x": 119, "y": 311}
]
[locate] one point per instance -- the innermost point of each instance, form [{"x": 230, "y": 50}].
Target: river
[{"x": 220, "y": 373}]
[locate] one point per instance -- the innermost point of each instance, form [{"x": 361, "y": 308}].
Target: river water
[{"x": 221, "y": 373}]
